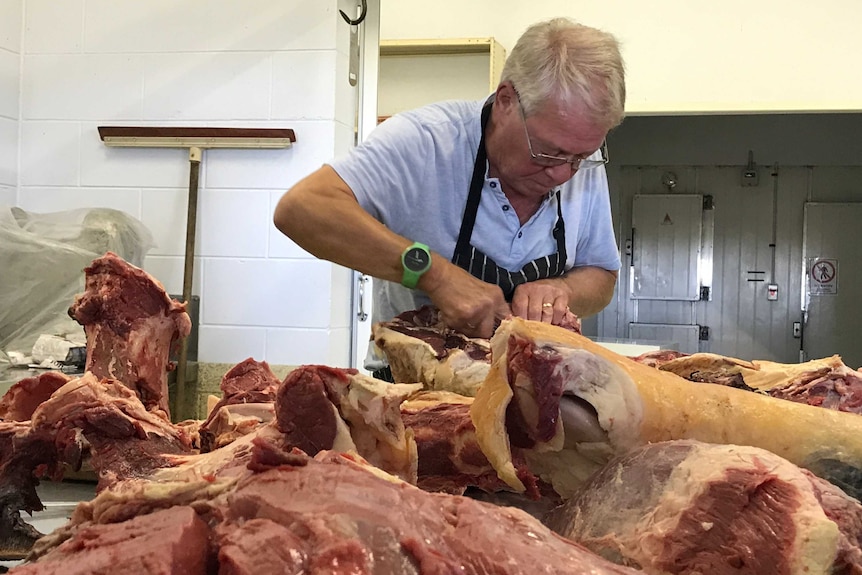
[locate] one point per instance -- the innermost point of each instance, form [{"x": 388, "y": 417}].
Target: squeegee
[{"x": 195, "y": 139}]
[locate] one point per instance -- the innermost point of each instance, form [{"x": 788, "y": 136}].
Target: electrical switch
[{"x": 772, "y": 292}]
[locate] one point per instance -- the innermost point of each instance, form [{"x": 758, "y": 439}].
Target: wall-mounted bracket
[{"x": 750, "y": 174}]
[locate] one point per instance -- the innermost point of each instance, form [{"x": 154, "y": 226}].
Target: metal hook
[{"x": 362, "y": 15}]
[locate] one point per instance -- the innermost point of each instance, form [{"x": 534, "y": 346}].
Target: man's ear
[
  {"x": 505, "y": 96},
  {"x": 505, "y": 93}
]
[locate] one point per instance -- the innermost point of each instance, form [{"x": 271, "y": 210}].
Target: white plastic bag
[{"x": 42, "y": 258}]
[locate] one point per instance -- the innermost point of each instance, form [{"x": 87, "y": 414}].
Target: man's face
[{"x": 533, "y": 154}]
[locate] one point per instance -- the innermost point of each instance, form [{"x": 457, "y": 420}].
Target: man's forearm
[
  {"x": 322, "y": 216},
  {"x": 591, "y": 289}
]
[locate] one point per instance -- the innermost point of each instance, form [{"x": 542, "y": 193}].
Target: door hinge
[
  {"x": 703, "y": 334},
  {"x": 704, "y": 293}
]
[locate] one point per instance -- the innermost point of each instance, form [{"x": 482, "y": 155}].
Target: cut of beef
[
  {"x": 685, "y": 507},
  {"x": 103, "y": 421},
  {"x": 125, "y": 440},
  {"x": 659, "y": 357},
  {"x": 230, "y": 422},
  {"x": 836, "y": 388},
  {"x": 131, "y": 324},
  {"x": 292, "y": 514},
  {"x": 450, "y": 459},
  {"x": 609, "y": 404},
  {"x": 420, "y": 347},
  {"x": 322, "y": 408},
  {"x": 248, "y": 383},
  {"x": 168, "y": 541},
  {"x": 22, "y": 399},
  {"x": 826, "y": 382},
  {"x": 22, "y": 454}
]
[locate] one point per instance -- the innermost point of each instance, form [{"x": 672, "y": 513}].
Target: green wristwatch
[{"x": 416, "y": 260}]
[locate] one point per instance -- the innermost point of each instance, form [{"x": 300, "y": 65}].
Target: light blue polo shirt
[{"x": 413, "y": 175}]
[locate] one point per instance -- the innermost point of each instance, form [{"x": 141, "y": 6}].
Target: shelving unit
[{"x": 421, "y": 71}]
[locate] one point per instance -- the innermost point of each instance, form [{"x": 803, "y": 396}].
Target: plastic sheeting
[{"x": 42, "y": 258}]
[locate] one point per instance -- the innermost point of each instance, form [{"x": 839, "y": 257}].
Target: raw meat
[
  {"x": 322, "y": 408},
  {"x": 248, "y": 393},
  {"x": 20, "y": 454},
  {"x": 164, "y": 542},
  {"x": 131, "y": 324},
  {"x": 605, "y": 404},
  {"x": 420, "y": 347},
  {"x": 124, "y": 439},
  {"x": 230, "y": 422},
  {"x": 450, "y": 459},
  {"x": 826, "y": 382},
  {"x": 101, "y": 421},
  {"x": 332, "y": 514},
  {"x": 25, "y": 396},
  {"x": 685, "y": 507}
]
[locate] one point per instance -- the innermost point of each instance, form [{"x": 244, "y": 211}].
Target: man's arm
[
  {"x": 321, "y": 214},
  {"x": 584, "y": 290}
]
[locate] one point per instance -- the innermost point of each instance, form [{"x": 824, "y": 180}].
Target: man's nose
[{"x": 561, "y": 173}]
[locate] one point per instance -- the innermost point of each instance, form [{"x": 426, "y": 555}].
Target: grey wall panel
[
  {"x": 742, "y": 322},
  {"x": 819, "y": 159}
]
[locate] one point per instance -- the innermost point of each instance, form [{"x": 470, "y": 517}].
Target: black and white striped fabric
[
  {"x": 486, "y": 269},
  {"x": 483, "y": 267}
]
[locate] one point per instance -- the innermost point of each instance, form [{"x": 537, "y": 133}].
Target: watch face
[{"x": 416, "y": 259}]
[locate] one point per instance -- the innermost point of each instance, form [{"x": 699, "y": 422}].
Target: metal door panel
[
  {"x": 832, "y": 281},
  {"x": 667, "y": 232}
]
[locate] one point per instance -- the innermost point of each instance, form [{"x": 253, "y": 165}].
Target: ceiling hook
[{"x": 362, "y": 15}]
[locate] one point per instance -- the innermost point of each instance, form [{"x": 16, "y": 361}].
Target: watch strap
[{"x": 410, "y": 277}]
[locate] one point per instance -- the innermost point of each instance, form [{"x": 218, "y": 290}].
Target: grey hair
[{"x": 561, "y": 59}]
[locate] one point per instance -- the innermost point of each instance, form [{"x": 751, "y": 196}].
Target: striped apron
[{"x": 481, "y": 266}]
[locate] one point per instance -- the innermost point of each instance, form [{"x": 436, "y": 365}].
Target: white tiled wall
[
  {"x": 222, "y": 63},
  {"x": 10, "y": 60}
]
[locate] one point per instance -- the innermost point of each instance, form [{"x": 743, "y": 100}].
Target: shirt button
[
  {"x": 505, "y": 208},
  {"x": 493, "y": 184},
  {"x": 520, "y": 234}
]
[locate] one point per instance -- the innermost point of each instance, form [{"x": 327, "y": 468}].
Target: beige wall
[{"x": 685, "y": 56}]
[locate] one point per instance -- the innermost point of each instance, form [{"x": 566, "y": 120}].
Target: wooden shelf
[{"x": 438, "y": 46}]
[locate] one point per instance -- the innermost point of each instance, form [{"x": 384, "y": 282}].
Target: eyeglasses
[{"x": 549, "y": 161}]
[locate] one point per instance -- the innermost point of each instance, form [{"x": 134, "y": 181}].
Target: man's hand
[
  {"x": 584, "y": 291},
  {"x": 542, "y": 300},
  {"x": 466, "y": 303}
]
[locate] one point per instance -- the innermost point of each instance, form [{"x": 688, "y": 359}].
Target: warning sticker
[{"x": 822, "y": 276}]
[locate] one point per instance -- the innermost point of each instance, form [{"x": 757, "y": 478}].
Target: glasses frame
[{"x": 548, "y": 161}]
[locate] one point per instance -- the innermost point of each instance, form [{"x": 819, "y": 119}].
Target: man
[{"x": 484, "y": 209}]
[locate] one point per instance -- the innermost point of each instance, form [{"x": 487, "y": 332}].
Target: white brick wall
[
  {"x": 10, "y": 60},
  {"x": 225, "y": 63}
]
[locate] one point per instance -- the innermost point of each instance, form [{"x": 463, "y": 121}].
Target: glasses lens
[{"x": 587, "y": 164}]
